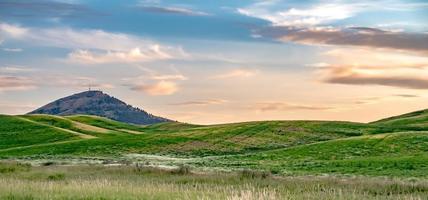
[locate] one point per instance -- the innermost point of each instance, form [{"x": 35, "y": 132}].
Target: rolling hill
[
  {"x": 99, "y": 104},
  {"x": 392, "y": 147}
]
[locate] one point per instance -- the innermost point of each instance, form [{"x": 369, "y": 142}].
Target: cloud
[
  {"x": 12, "y": 49},
  {"x": 173, "y": 10},
  {"x": 13, "y": 83},
  {"x": 15, "y": 69},
  {"x": 282, "y": 106},
  {"x": 154, "y": 75},
  {"x": 373, "y": 67},
  {"x": 93, "y": 46},
  {"x": 153, "y": 52},
  {"x": 283, "y": 13},
  {"x": 317, "y": 14},
  {"x": 158, "y": 88},
  {"x": 353, "y": 36},
  {"x": 11, "y": 30},
  {"x": 354, "y": 78},
  {"x": 237, "y": 73},
  {"x": 406, "y": 95},
  {"x": 155, "y": 83},
  {"x": 43, "y": 9},
  {"x": 179, "y": 77},
  {"x": 200, "y": 102}
]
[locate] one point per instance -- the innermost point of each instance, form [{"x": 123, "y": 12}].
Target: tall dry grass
[{"x": 127, "y": 182}]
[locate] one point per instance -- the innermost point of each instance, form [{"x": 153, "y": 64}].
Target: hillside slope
[
  {"x": 398, "y": 154},
  {"x": 285, "y": 147},
  {"x": 99, "y": 104},
  {"x": 18, "y": 132},
  {"x": 191, "y": 140},
  {"x": 414, "y": 121}
]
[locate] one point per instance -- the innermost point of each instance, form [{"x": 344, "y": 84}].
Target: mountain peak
[{"x": 96, "y": 102}]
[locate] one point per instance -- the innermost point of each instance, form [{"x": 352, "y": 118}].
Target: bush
[
  {"x": 48, "y": 163},
  {"x": 56, "y": 177}
]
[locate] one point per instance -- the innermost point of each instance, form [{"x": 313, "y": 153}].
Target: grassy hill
[{"x": 396, "y": 146}]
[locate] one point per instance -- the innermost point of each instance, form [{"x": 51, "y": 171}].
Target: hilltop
[{"x": 99, "y": 104}]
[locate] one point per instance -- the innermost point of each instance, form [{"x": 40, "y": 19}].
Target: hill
[
  {"x": 99, "y": 104},
  {"x": 380, "y": 148}
]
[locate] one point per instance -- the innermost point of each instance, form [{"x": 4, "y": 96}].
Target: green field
[{"x": 393, "y": 148}]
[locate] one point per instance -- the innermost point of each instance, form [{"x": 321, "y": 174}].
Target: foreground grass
[{"x": 20, "y": 181}]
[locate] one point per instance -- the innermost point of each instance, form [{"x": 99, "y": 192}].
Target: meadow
[
  {"x": 89, "y": 157},
  {"x": 51, "y": 181}
]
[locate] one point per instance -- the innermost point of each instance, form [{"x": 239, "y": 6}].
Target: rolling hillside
[{"x": 388, "y": 147}]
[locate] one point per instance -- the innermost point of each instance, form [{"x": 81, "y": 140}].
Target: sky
[{"x": 223, "y": 61}]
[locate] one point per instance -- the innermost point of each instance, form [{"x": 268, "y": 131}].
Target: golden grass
[{"x": 128, "y": 182}]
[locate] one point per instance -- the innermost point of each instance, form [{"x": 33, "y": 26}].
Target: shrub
[
  {"x": 48, "y": 163},
  {"x": 56, "y": 177}
]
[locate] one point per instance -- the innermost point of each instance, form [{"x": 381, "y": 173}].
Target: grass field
[
  {"x": 318, "y": 152},
  {"x": 22, "y": 181}
]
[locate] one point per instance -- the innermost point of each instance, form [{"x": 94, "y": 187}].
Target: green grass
[
  {"x": 65, "y": 123},
  {"x": 104, "y": 123},
  {"x": 250, "y": 160},
  {"x": 382, "y": 148},
  {"x": 394, "y": 154},
  {"x": 16, "y": 132},
  {"x": 131, "y": 182},
  {"x": 190, "y": 140}
]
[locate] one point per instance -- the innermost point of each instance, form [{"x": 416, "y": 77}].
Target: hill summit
[{"x": 99, "y": 104}]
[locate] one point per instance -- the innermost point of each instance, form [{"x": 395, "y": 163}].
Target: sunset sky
[{"x": 220, "y": 61}]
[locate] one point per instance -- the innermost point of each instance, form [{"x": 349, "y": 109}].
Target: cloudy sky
[{"x": 220, "y": 61}]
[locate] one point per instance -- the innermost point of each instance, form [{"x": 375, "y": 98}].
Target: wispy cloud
[
  {"x": 151, "y": 53},
  {"x": 13, "y": 83},
  {"x": 369, "y": 67},
  {"x": 406, "y": 95},
  {"x": 15, "y": 69},
  {"x": 345, "y": 76},
  {"x": 353, "y": 36},
  {"x": 317, "y": 14},
  {"x": 155, "y": 83},
  {"x": 237, "y": 73},
  {"x": 11, "y": 30},
  {"x": 158, "y": 88},
  {"x": 43, "y": 9},
  {"x": 200, "y": 102},
  {"x": 93, "y": 46},
  {"x": 284, "y": 106},
  {"x": 12, "y": 49},
  {"x": 173, "y": 10},
  {"x": 282, "y": 13}
]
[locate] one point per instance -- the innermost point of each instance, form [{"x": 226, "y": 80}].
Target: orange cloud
[
  {"x": 237, "y": 73},
  {"x": 158, "y": 88}
]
